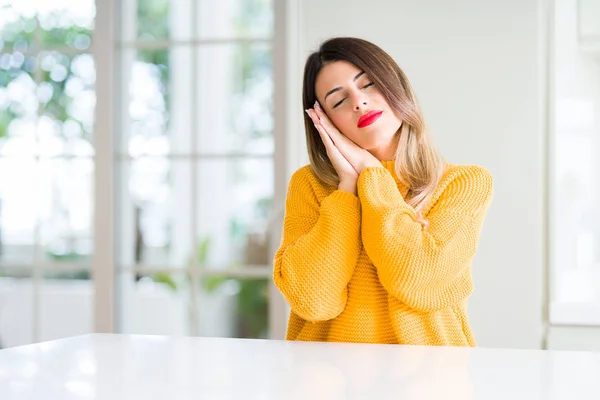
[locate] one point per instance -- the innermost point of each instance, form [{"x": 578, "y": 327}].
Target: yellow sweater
[{"x": 360, "y": 269}]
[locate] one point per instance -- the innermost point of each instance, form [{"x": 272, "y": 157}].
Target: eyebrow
[{"x": 337, "y": 89}]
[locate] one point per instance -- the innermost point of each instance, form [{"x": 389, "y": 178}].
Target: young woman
[{"x": 379, "y": 232}]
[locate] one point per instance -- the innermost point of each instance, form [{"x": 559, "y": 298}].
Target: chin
[
  {"x": 376, "y": 145},
  {"x": 380, "y": 148},
  {"x": 368, "y": 146}
]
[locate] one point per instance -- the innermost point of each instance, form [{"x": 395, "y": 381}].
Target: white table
[{"x": 156, "y": 367}]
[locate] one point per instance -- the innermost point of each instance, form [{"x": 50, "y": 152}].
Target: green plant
[
  {"x": 253, "y": 309},
  {"x": 6, "y": 116},
  {"x": 166, "y": 280},
  {"x": 70, "y": 256},
  {"x": 196, "y": 261}
]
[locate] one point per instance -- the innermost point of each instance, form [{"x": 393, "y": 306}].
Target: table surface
[{"x": 106, "y": 366}]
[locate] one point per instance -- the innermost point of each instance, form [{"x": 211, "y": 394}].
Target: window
[
  {"x": 575, "y": 170},
  {"x": 192, "y": 156},
  {"x": 47, "y": 98},
  {"x": 195, "y": 169}
]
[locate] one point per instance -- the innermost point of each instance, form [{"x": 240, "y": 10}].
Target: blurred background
[{"x": 146, "y": 146}]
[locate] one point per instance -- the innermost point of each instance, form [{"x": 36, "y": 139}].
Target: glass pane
[
  {"x": 16, "y": 309},
  {"x": 234, "y": 18},
  {"x": 17, "y": 26},
  {"x": 232, "y": 307},
  {"x": 18, "y": 209},
  {"x": 575, "y": 173},
  {"x": 67, "y": 100},
  {"x": 234, "y": 205},
  {"x": 160, "y": 102},
  {"x": 18, "y": 104},
  {"x": 66, "y": 304},
  {"x": 153, "y": 19},
  {"x": 66, "y": 23},
  {"x": 155, "y": 212},
  {"x": 235, "y": 93},
  {"x": 155, "y": 304},
  {"x": 156, "y": 20},
  {"x": 164, "y": 19},
  {"x": 65, "y": 203}
]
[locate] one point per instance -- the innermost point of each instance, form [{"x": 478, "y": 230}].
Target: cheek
[
  {"x": 347, "y": 127},
  {"x": 343, "y": 123},
  {"x": 393, "y": 118}
]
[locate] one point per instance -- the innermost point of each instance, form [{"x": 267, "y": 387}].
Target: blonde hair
[{"x": 418, "y": 164}]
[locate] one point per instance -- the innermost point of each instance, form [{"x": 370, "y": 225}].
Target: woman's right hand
[{"x": 347, "y": 174}]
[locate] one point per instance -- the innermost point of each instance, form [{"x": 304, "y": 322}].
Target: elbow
[
  {"x": 311, "y": 312},
  {"x": 431, "y": 297},
  {"x": 312, "y": 306},
  {"x": 310, "y": 300}
]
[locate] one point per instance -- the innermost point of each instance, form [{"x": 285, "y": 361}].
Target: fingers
[
  {"x": 322, "y": 132},
  {"x": 336, "y": 136},
  {"x": 333, "y": 152},
  {"x": 314, "y": 118},
  {"x": 350, "y": 150},
  {"x": 338, "y": 145},
  {"x": 344, "y": 145},
  {"x": 325, "y": 137}
]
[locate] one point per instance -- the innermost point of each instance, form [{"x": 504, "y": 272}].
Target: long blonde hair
[{"x": 418, "y": 164}]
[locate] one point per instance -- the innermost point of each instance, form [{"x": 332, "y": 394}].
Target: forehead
[{"x": 335, "y": 74}]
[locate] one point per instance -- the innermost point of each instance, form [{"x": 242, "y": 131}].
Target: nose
[
  {"x": 360, "y": 101},
  {"x": 359, "y": 106}
]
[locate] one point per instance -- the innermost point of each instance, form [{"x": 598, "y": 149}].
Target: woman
[{"x": 379, "y": 232}]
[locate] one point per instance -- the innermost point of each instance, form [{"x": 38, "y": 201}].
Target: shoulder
[
  {"x": 468, "y": 187},
  {"x": 468, "y": 175},
  {"x": 303, "y": 174},
  {"x": 306, "y": 176},
  {"x": 304, "y": 179},
  {"x": 305, "y": 184}
]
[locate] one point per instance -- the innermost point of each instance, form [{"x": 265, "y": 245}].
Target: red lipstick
[{"x": 368, "y": 118}]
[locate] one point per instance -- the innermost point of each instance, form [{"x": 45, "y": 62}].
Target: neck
[{"x": 387, "y": 152}]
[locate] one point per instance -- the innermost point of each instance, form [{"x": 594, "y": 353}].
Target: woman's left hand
[{"x": 358, "y": 157}]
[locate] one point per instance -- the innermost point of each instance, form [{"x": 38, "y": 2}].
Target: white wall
[
  {"x": 478, "y": 69},
  {"x": 571, "y": 338}
]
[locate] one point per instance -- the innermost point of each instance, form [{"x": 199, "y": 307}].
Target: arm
[
  {"x": 425, "y": 269},
  {"x": 319, "y": 249}
]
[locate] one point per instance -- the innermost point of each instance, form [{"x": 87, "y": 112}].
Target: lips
[{"x": 369, "y": 118}]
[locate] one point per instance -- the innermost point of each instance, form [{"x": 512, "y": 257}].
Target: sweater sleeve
[
  {"x": 426, "y": 269},
  {"x": 319, "y": 249}
]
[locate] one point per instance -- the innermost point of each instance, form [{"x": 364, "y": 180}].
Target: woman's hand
[
  {"x": 347, "y": 174},
  {"x": 358, "y": 157}
]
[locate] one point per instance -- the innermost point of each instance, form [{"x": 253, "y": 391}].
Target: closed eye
[
  {"x": 339, "y": 102},
  {"x": 342, "y": 100}
]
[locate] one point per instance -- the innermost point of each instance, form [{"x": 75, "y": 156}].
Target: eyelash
[{"x": 342, "y": 100}]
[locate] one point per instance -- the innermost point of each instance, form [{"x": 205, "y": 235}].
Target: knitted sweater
[{"x": 361, "y": 269}]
